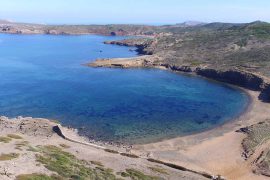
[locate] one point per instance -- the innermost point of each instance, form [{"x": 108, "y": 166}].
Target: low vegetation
[
  {"x": 7, "y": 157},
  {"x": 5, "y": 139},
  {"x": 25, "y": 145},
  {"x": 263, "y": 164},
  {"x": 256, "y": 135},
  {"x": 33, "y": 149},
  {"x": 137, "y": 175},
  {"x": 158, "y": 170},
  {"x": 215, "y": 45},
  {"x": 14, "y": 136},
  {"x": 68, "y": 166},
  {"x": 9, "y": 138},
  {"x": 78, "y": 29},
  {"x": 22, "y": 144},
  {"x": 97, "y": 163},
  {"x": 35, "y": 176},
  {"x": 258, "y": 138}
]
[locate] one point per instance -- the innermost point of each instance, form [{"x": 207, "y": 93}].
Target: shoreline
[
  {"x": 177, "y": 150},
  {"x": 167, "y": 150},
  {"x": 184, "y": 150},
  {"x": 247, "y": 107},
  {"x": 180, "y": 151},
  {"x": 24, "y": 140},
  {"x": 120, "y": 146},
  {"x": 218, "y": 150},
  {"x": 227, "y": 124},
  {"x": 223, "y": 141},
  {"x": 109, "y": 63}
]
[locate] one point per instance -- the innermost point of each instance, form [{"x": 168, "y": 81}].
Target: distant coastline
[{"x": 219, "y": 150}]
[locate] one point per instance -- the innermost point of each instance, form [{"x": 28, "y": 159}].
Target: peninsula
[{"x": 237, "y": 54}]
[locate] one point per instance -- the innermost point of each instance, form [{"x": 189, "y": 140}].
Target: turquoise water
[{"x": 42, "y": 76}]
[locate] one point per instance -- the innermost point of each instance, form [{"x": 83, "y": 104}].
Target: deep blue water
[{"x": 42, "y": 76}]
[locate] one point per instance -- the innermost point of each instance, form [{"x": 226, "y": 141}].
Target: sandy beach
[
  {"x": 24, "y": 138},
  {"x": 216, "y": 151},
  {"x": 186, "y": 97}
]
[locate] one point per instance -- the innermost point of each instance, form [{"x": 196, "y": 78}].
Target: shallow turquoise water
[{"x": 42, "y": 76}]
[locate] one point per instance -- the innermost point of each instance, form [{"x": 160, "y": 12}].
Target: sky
[{"x": 133, "y": 11}]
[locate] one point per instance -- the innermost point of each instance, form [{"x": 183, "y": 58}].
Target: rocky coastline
[
  {"x": 241, "y": 78},
  {"x": 33, "y": 148},
  {"x": 250, "y": 81},
  {"x": 217, "y": 151}
]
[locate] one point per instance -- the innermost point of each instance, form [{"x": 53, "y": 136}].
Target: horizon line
[{"x": 146, "y": 24}]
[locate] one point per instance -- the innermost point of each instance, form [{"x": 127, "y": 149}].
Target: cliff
[
  {"x": 233, "y": 76},
  {"x": 238, "y": 54}
]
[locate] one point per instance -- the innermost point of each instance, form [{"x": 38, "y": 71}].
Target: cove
[{"x": 43, "y": 76}]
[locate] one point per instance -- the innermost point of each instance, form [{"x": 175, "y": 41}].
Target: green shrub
[
  {"x": 137, "y": 175},
  {"x": 35, "y": 176},
  {"x": 158, "y": 170},
  {"x": 68, "y": 166}
]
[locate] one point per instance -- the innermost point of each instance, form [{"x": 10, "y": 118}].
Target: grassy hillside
[
  {"x": 214, "y": 45},
  {"x": 245, "y": 46}
]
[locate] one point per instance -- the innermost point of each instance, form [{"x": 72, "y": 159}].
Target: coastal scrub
[
  {"x": 7, "y": 157},
  {"x": 35, "y": 176},
  {"x": 68, "y": 166},
  {"x": 137, "y": 175}
]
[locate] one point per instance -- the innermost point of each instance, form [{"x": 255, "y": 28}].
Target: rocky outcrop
[
  {"x": 28, "y": 126},
  {"x": 141, "y": 44},
  {"x": 135, "y": 62},
  {"x": 265, "y": 93},
  {"x": 229, "y": 75},
  {"x": 178, "y": 68},
  {"x": 236, "y": 77},
  {"x": 256, "y": 146},
  {"x": 233, "y": 76}
]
